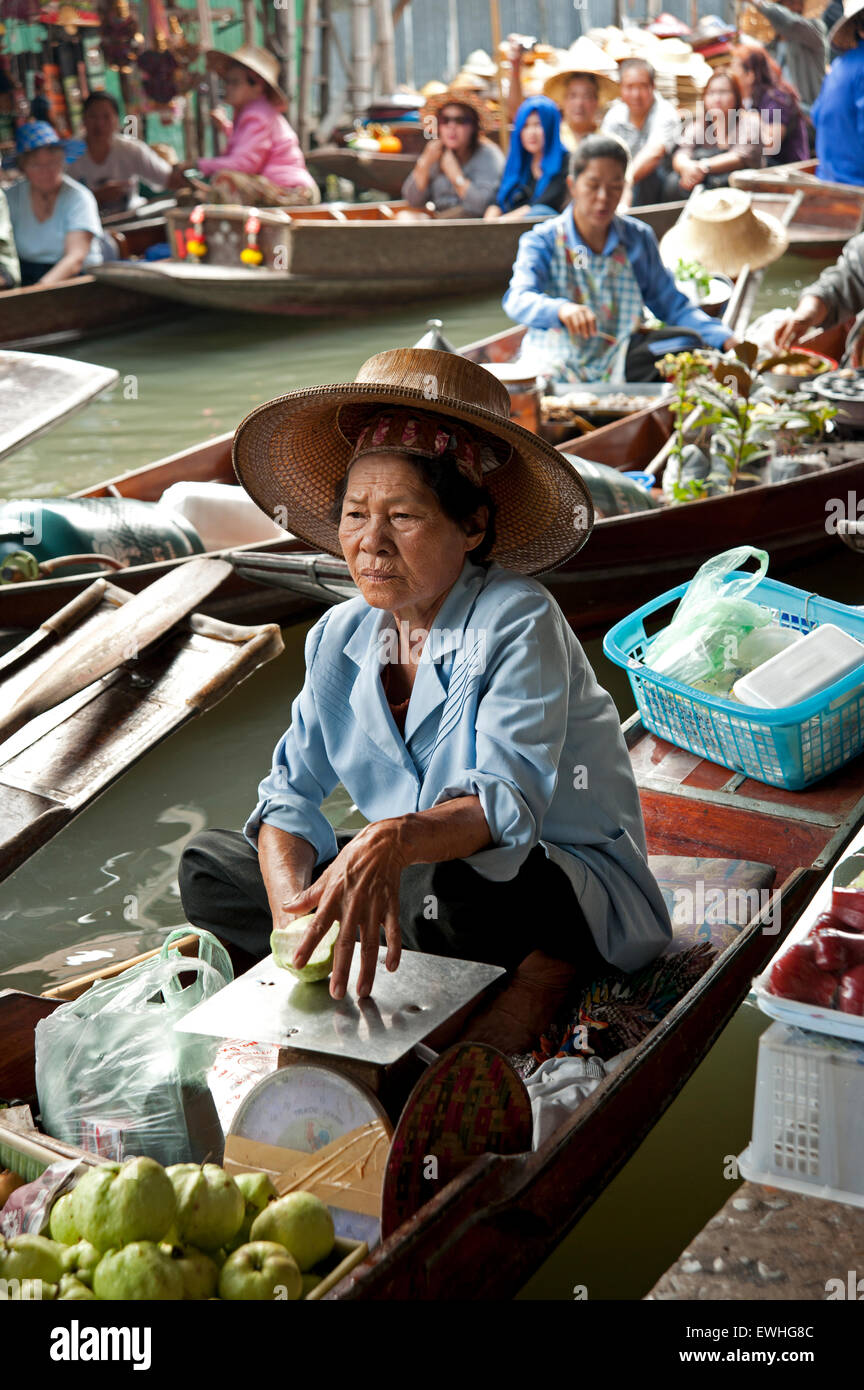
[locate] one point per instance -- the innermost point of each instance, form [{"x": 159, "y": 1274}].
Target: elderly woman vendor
[
  {"x": 54, "y": 219},
  {"x": 450, "y": 698}
]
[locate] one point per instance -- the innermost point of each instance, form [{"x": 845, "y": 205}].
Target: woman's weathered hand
[
  {"x": 360, "y": 890},
  {"x": 578, "y": 319}
]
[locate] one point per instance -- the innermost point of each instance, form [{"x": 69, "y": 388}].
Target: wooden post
[
  {"x": 249, "y": 26},
  {"x": 495, "y": 20},
  {"x": 385, "y": 55},
  {"x": 307, "y": 51},
  {"x": 325, "y": 29},
  {"x": 285, "y": 26},
  {"x": 408, "y": 26},
  {"x": 205, "y": 34},
  {"x": 361, "y": 56},
  {"x": 452, "y": 39}
]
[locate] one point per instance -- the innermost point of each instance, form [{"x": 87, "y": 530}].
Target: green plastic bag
[
  {"x": 114, "y": 1077},
  {"x": 702, "y": 643}
]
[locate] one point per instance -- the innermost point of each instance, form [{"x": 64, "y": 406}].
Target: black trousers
[{"x": 444, "y": 909}]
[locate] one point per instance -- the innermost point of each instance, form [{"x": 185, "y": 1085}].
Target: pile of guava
[{"x": 140, "y": 1231}]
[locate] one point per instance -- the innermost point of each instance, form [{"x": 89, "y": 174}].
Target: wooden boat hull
[
  {"x": 80, "y": 308},
  {"x": 594, "y": 589},
  {"x": 364, "y": 168}
]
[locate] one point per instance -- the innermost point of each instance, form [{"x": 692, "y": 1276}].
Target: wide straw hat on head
[
  {"x": 584, "y": 57},
  {"x": 257, "y": 60},
  {"x": 844, "y": 33},
  {"x": 720, "y": 229},
  {"x": 455, "y": 96},
  {"x": 481, "y": 63},
  {"x": 291, "y": 454}
]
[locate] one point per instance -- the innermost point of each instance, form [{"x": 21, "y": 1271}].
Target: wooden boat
[
  {"x": 37, "y": 392},
  {"x": 364, "y": 168},
  {"x": 594, "y": 589},
  {"x": 488, "y": 1230},
  {"x": 63, "y": 759},
  {"x": 345, "y": 256},
  {"x": 35, "y": 317},
  {"x": 829, "y": 213}
]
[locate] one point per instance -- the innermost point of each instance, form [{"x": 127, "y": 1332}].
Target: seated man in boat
[
  {"x": 534, "y": 182},
  {"x": 458, "y": 173},
  {"x": 112, "y": 164},
  {"x": 582, "y": 281},
  {"x": 451, "y": 699},
  {"x": 10, "y": 270},
  {"x": 838, "y": 294},
  {"x": 54, "y": 219},
  {"x": 649, "y": 126},
  {"x": 263, "y": 164}
]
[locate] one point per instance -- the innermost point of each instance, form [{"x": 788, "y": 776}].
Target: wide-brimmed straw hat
[
  {"x": 720, "y": 228},
  {"x": 291, "y": 453},
  {"x": 455, "y": 96},
  {"x": 481, "y": 63},
  {"x": 248, "y": 55},
  {"x": 843, "y": 33},
  {"x": 584, "y": 57}
]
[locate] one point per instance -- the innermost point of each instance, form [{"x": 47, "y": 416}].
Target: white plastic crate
[{"x": 808, "y": 1115}]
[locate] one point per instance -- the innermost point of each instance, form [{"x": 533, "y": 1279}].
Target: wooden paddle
[{"x": 119, "y": 637}]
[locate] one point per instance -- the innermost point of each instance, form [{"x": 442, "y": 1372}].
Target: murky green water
[{"x": 106, "y": 887}]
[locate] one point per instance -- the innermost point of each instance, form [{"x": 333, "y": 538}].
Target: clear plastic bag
[
  {"x": 114, "y": 1077},
  {"x": 703, "y": 641}
]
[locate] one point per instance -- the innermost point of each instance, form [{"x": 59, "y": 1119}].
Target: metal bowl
[
  {"x": 845, "y": 390},
  {"x": 778, "y": 380}
]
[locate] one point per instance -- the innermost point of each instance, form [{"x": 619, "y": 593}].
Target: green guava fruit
[
  {"x": 140, "y": 1271},
  {"x": 284, "y": 942},
  {"x": 210, "y": 1205},
  {"x": 310, "y": 1282},
  {"x": 62, "y": 1224},
  {"x": 258, "y": 1271},
  {"x": 200, "y": 1272},
  {"x": 115, "y": 1205},
  {"x": 302, "y": 1223},
  {"x": 32, "y": 1257},
  {"x": 72, "y": 1290},
  {"x": 258, "y": 1190},
  {"x": 81, "y": 1260}
]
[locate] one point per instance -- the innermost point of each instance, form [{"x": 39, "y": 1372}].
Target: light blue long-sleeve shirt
[
  {"x": 504, "y": 707},
  {"x": 526, "y": 300}
]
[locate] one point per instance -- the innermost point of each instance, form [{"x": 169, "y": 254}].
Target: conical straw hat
[
  {"x": 842, "y": 34},
  {"x": 720, "y": 229},
  {"x": 258, "y": 60},
  {"x": 291, "y": 453},
  {"x": 583, "y": 56}
]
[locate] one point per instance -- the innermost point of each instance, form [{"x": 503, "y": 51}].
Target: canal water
[{"x": 105, "y": 889}]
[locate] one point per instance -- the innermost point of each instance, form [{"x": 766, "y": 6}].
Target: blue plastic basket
[{"x": 791, "y": 747}]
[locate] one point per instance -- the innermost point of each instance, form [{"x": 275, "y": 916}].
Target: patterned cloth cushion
[{"x": 710, "y": 900}]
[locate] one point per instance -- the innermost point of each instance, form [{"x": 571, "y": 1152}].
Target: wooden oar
[{"x": 119, "y": 637}]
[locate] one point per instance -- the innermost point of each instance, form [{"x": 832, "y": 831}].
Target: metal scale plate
[{"x": 267, "y": 1005}]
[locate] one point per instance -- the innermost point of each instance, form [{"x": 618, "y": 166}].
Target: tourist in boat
[
  {"x": 766, "y": 91},
  {"x": 724, "y": 137},
  {"x": 458, "y": 173},
  {"x": 450, "y": 699},
  {"x": 55, "y": 220},
  {"x": 263, "y": 164},
  {"x": 801, "y": 47},
  {"x": 838, "y": 294},
  {"x": 581, "y": 87},
  {"x": 10, "y": 270},
  {"x": 582, "y": 280},
  {"x": 650, "y": 127},
  {"x": 112, "y": 164},
  {"x": 534, "y": 182},
  {"x": 838, "y": 113}
]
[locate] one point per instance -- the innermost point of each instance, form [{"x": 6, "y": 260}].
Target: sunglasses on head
[{"x": 455, "y": 120}]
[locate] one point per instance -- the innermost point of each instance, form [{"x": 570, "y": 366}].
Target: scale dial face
[{"x": 304, "y": 1107}]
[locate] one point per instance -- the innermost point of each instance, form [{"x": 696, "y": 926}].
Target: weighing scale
[{"x": 324, "y": 1121}]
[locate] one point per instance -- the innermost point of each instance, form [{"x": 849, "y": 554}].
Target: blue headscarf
[{"x": 517, "y": 170}]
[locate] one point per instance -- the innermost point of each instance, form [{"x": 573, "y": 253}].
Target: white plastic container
[
  {"x": 223, "y": 514},
  {"x": 808, "y": 1116},
  {"x": 824, "y": 656}
]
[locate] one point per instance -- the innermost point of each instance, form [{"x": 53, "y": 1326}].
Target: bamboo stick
[
  {"x": 385, "y": 48},
  {"x": 307, "y": 48},
  {"x": 361, "y": 57},
  {"x": 495, "y": 20}
]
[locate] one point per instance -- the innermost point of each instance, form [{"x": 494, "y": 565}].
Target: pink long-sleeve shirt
[{"x": 262, "y": 142}]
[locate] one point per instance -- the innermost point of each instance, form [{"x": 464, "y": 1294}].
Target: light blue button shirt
[{"x": 504, "y": 707}]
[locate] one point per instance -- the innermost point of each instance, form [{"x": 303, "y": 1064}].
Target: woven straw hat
[
  {"x": 480, "y": 63},
  {"x": 843, "y": 34},
  {"x": 720, "y": 228},
  {"x": 455, "y": 96},
  {"x": 291, "y": 453},
  {"x": 258, "y": 60},
  {"x": 583, "y": 56}
]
